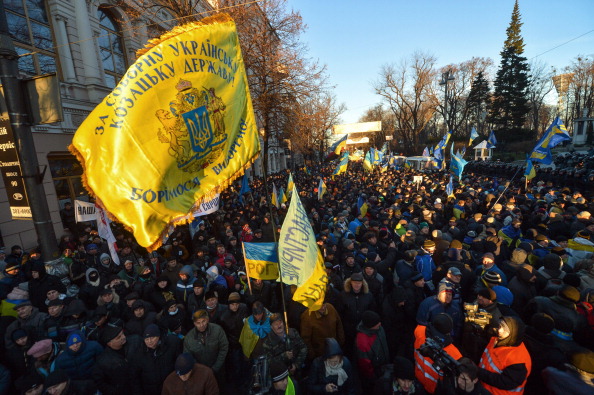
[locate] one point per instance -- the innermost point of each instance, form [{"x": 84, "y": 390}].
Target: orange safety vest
[
  {"x": 495, "y": 359},
  {"x": 424, "y": 371}
]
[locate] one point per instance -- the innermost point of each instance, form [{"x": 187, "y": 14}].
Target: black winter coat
[
  {"x": 151, "y": 367},
  {"x": 112, "y": 373},
  {"x": 38, "y": 288}
]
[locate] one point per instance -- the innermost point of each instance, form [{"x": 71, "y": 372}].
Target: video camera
[
  {"x": 443, "y": 362},
  {"x": 476, "y": 316},
  {"x": 260, "y": 382}
]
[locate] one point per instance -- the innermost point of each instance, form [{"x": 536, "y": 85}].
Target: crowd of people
[{"x": 486, "y": 290}]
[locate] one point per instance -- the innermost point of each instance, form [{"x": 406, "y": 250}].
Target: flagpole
[
  {"x": 280, "y": 273},
  {"x": 507, "y": 186},
  {"x": 247, "y": 270}
]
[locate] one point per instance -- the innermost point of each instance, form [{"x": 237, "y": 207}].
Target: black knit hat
[
  {"x": 443, "y": 323},
  {"x": 278, "y": 371},
  {"x": 370, "y": 319},
  {"x": 109, "y": 333},
  {"x": 404, "y": 369},
  {"x": 184, "y": 364}
]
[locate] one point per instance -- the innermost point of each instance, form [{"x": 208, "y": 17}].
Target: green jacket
[
  {"x": 275, "y": 348},
  {"x": 208, "y": 349}
]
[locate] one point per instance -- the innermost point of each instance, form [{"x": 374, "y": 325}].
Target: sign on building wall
[{"x": 11, "y": 173}]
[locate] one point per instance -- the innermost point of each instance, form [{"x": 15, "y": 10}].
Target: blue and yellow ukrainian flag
[
  {"x": 281, "y": 195},
  {"x": 491, "y": 141},
  {"x": 338, "y": 146},
  {"x": 368, "y": 161},
  {"x": 342, "y": 165},
  {"x": 473, "y": 135},
  {"x": 450, "y": 187},
  {"x": 275, "y": 198},
  {"x": 290, "y": 184},
  {"x": 457, "y": 163},
  {"x": 555, "y": 134},
  {"x": 261, "y": 260},
  {"x": 530, "y": 172},
  {"x": 321, "y": 189}
]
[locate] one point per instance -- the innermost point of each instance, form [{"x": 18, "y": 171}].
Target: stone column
[
  {"x": 64, "y": 52},
  {"x": 92, "y": 69}
]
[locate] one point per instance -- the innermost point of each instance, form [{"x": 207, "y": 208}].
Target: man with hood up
[
  {"x": 185, "y": 284},
  {"x": 41, "y": 283},
  {"x": 506, "y": 363},
  {"x": 89, "y": 292},
  {"x": 106, "y": 268},
  {"x": 331, "y": 372}
]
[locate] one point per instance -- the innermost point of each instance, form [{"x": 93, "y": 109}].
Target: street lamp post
[{"x": 445, "y": 79}]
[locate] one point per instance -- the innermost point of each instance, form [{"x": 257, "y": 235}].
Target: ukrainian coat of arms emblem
[{"x": 194, "y": 127}]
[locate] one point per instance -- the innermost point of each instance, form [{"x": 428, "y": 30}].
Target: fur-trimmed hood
[
  {"x": 116, "y": 298},
  {"x": 349, "y": 288}
]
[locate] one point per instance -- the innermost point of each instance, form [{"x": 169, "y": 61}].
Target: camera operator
[
  {"x": 466, "y": 382},
  {"x": 506, "y": 363},
  {"x": 481, "y": 321},
  {"x": 428, "y": 371}
]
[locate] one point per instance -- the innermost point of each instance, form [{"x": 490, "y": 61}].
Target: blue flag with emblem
[
  {"x": 450, "y": 187},
  {"x": 473, "y": 135},
  {"x": 426, "y": 152},
  {"x": 456, "y": 163},
  {"x": 491, "y": 141},
  {"x": 444, "y": 141},
  {"x": 555, "y": 135},
  {"x": 245, "y": 186}
]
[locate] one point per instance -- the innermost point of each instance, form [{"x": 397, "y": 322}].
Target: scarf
[
  {"x": 336, "y": 371},
  {"x": 261, "y": 329}
]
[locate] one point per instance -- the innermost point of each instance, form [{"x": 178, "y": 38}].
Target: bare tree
[
  {"x": 540, "y": 84},
  {"x": 459, "y": 108},
  {"x": 279, "y": 72},
  {"x": 581, "y": 88},
  {"x": 313, "y": 121},
  {"x": 386, "y": 117},
  {"x": 406, "y": 90}
]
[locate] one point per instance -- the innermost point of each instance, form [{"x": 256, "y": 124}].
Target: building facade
[{"x": 88, "y": 44}]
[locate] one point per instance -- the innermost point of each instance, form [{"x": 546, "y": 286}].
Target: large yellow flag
[
  {"x": 300, "y": 259},
  {"x": 176, "y": 130}
]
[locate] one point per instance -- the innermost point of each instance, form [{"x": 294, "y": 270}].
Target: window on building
[
  {"x": 67, "y": 176},
  {"x": 111, "y": 46},
  {"x": 30, "y": 29}
]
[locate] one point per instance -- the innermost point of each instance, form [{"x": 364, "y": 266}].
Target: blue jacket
[
  {"x": 430, "y": 307},
  {"x": 79, "y": 365},
  {"x": 425, "y": 265}
]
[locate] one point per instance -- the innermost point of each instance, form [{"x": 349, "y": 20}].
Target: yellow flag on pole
[
  {"x": 301, "y": 261},
  {"x": 177, "y": 129}
]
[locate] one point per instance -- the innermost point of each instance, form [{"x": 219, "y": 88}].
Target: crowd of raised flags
[{"x": 263, "y": 258}]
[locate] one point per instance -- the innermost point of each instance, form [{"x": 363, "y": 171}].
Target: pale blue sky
[{"x": 355, "y": 38}]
